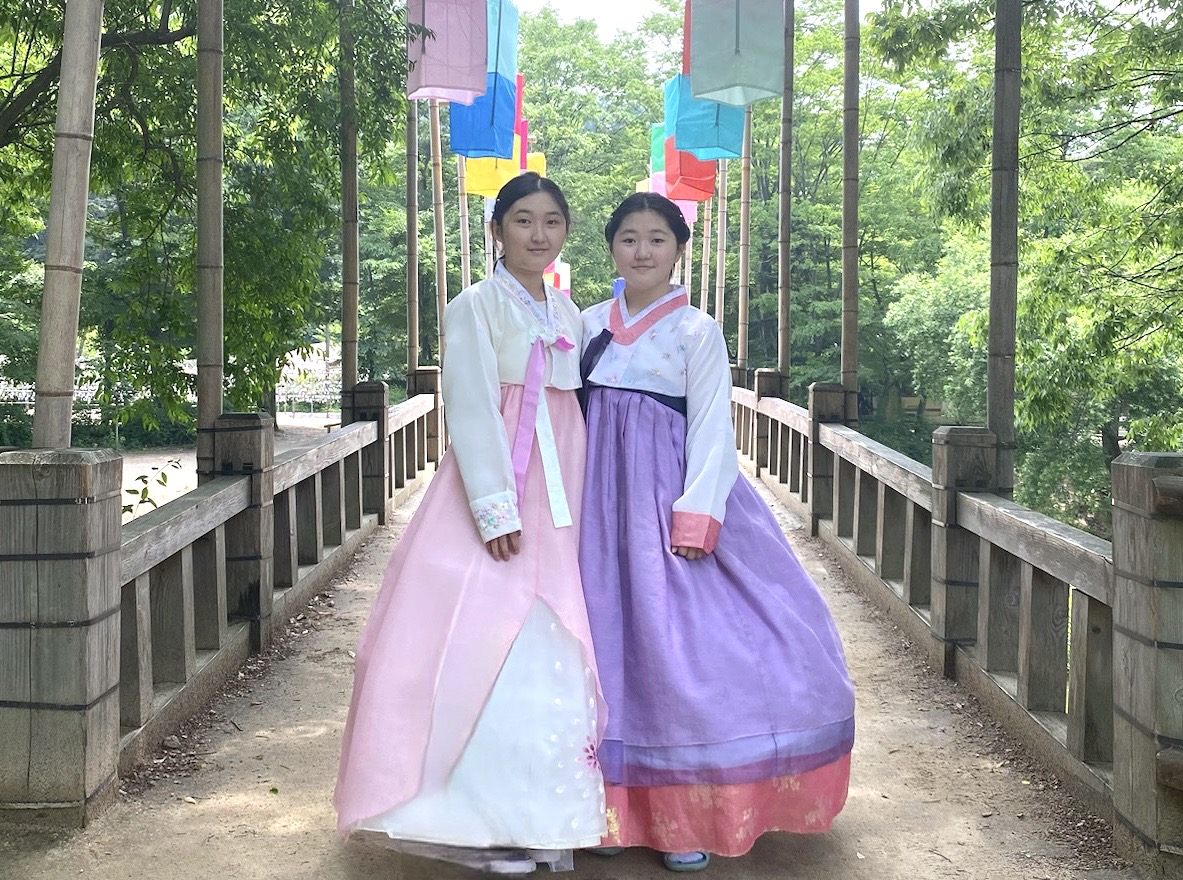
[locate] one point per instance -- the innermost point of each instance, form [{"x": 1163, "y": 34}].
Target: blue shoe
[{"x": 686, "y": 863}]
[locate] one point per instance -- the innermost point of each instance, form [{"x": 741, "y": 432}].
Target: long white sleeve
[
  {"x": 472, "y": 406},
  {"x": 712, "y": 465}
]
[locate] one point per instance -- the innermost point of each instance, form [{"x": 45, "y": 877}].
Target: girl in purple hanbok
[
  {"x": 474, "y": 721},
  {"x": 730, "y": 709}
]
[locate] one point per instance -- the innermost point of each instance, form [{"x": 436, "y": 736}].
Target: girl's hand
[
  {"x": 505, "y": 546},
  {"x": 689, "y": 552}
]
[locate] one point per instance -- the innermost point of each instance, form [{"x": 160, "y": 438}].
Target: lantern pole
[
  {"x": 66, "y": 230},
  {"x": 688, "y": 261},
  {"x": 745, "y": 217},
  {"x": 412, "y": 239},
  {"x": 465, "y": 234},
  {"x": 850, "y": 220},
  {"x": 706, "y": 257},
  {"x": 784, "y": 262},
  {"x": 721, "y": 250},
  {"x": 350, "y": 258},
  {"x": 441, "y": 260}
]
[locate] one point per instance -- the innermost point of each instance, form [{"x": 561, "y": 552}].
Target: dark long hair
[{"x": 648, "y": 201}]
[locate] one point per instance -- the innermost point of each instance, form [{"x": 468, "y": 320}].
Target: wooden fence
[
  {"x": 1074, "y": 643},
  {"x": 111, "y": 636}
]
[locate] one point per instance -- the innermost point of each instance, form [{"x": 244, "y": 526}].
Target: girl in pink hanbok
[
  {"x": 473, "y": 727},
  {"x": 730, "y": 709}
]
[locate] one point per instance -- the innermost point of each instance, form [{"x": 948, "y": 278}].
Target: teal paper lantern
[
  {"x": 704, "y": 129},
  {"x": 737, "y": 50}
]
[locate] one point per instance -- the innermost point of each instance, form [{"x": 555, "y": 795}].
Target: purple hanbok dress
[{"x": 731, "y": 712}]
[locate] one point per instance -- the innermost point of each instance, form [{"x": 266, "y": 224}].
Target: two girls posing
[{"x": 592, "y": 637}]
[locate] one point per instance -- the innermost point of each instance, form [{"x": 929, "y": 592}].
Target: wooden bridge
[{"x": 111, "y": 636}]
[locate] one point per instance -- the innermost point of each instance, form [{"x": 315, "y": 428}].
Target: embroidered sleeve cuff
[
  {"x": 496, "y": 515},
  {"x": 695, "y": 530}
]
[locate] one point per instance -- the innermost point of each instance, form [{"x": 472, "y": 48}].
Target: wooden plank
[
  {"x": 332, "y": 498},
  {"x": 917, "y": 556},
  {"x": 210, "y": 626},
  {"x": 783, "y": 412},
  {"x": 351, "y": 469},
  {"x": 891, "y": 533},
  {"x": 398, "y": 445},
  {"x": 1090, "y": 682},
  {"x": 309, "y": 527},
  {"x": 866, "y": 514},
  {"x": 150, "y": 539},
  {"x": 1168, "y": 495},
  {"x": 409, "y": 411},
  {"x": 135, "y": 654},
  {"x": 15, "y": 733},
  {"x": 1000, "y": 577},
  {"x": 174, "y": 658},
  {"x": 1043, "y": 641},
  {"x": 910, "y": 478},
  {"x": 296, "y": 465},
  {"x": 287, "y": 563},
  {"x": 1073, "y": 556},
  {"x": 844, "y": 501},
  {"x": 1169, "y": 768}
]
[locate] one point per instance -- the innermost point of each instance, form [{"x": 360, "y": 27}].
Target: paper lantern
[
  {"x": 737, "y": 50},
  {"x": 687, "y": 178},
  {"x": 558, "y": 276},
  {"x": 503, "y": 38},
  {"x": 485, "y": 177},
  {"x": 705, "y": 129},
  {"x": 451, "y": 65},
  {"x": 656, "y": 148},
  {"x": 485, "y": 128}
]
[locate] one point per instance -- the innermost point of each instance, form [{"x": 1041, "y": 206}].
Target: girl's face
[
  {"x": 531, "y": 233},
  {"x": 645, "y": 250}
]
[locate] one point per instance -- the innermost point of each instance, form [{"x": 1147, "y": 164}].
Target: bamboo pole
[
  {"x": 705, "y": 274},
  {"x": 688, "y": 262},
  {"x": 412, "y": 238},
  {"x": 210, "y": 231},
  {"x": 785, "y": 206},
  {"x": 721, "y": 250},
  {"x": 441, "y": 259},
  {"x": 350, "y": 257},
  {"x": 745, "y": 224},
  {"x": 1004, "y": 239},
  {"x": 66, "y": 229},
  {"x": 850, "y": 216},
  {"x": 465, "y": 233}
]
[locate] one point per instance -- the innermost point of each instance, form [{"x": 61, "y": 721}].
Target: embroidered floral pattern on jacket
[{"x": 496, "y": 516}]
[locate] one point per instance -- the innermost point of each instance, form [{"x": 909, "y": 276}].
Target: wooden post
[
  {"x": 441, "y": 260},
  {"x": 412, "y": 237},
  {"x": 767, "y": 384},
  {"x": 962, "y": 461},
  {"x": 246, "y": 445},
  {"x": 60, "y": 538},
  {"x": 465, "y": 233},
  {"x": 350, "y": 257},
  {"x": 850, "y": 171},
  {"x": 825, "y": 405},
  {"x": 427, "y": 381},
  {"x": 66, "y": 230},
  {"x": 745, "y": 232},
  {"x": 705, "y": 281},
  {"x": 721, "y": 249},
  {"x": 371, "y": 401},
  {"x": 210, "y": 256},
  {"x": 1004, "y": 239},
  {"x": 785, "y": 201},
  {"x": 1148, "y": 657},
  {"x": 687, "y": 262}
]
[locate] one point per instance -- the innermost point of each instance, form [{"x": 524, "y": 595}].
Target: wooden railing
[
  {"x": 147, "y": 620},
  {"x": 1027, "y": 612}
]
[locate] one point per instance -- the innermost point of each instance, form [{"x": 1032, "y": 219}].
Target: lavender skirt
[{"x": 722, "y": 670}]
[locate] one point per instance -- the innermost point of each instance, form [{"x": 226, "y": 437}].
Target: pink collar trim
[{"x": 628, "y": 335}]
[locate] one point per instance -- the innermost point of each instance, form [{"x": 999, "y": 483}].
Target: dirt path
[{"x": 937, "y": 791}]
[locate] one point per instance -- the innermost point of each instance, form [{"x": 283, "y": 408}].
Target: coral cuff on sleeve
[
  {"x": 496, "y": 515},
  {"x": 695, "y": 530}
]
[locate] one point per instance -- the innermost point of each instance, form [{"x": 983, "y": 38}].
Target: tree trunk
[
  {"x": 1004, "y": 239},
  {"x": 721, "y": 251},
  {"x": 465, "y": 232},
  {"x": 210, "y": 257},
  {"x": 66, "y": 230},
  {"x": 850, "y": 171},
  {"x": 745, "y": 222},
  {"x": 441, "y": 260},
  {"x": 704, "y": 281},
  {"x": 350, "y": 257}
]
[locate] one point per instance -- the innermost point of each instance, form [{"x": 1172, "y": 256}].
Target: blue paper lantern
[
  {"x": 704, "y": 129},
  {"x": 484, "y": 129}
]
